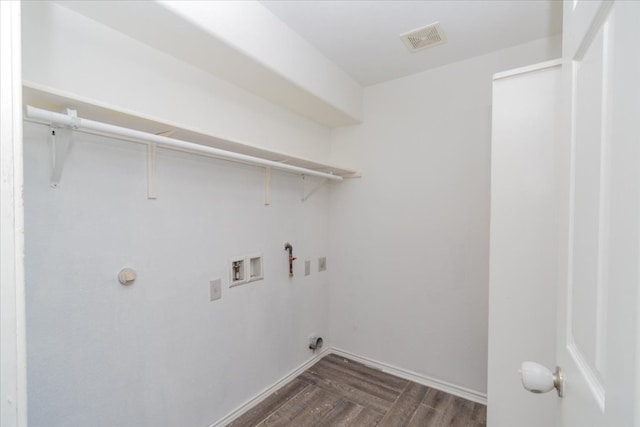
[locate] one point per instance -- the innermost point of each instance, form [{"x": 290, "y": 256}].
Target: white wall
[
  {"x": 70, "y": 52},
  {"x": 410, "y": 239},
  {"x": 159, "y": 352}
]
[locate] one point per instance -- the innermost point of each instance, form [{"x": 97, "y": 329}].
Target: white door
[{"x": 598, "y": 345}]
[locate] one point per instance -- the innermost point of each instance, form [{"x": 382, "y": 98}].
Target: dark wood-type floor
[{"x": 340, "y": 392}]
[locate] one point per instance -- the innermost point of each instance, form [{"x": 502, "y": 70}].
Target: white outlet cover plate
[
  {"x": 322, "y": 263},
  {"x": 307, "y": 267},
  {"x": 215, "y": 288}
]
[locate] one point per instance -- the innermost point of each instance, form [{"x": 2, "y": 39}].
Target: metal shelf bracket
[{"x": 314, "y": 189}]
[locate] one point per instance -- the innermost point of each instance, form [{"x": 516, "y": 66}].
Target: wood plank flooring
[{"x": 340, "y": 392}]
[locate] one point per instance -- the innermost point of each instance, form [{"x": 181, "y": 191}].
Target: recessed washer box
[
  {"x": 245, "y": 269},
  {"x": 255, "y": 267},
  {"x": 238, "y": 271}
]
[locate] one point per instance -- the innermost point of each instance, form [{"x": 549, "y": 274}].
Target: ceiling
[
  {"x": 362, "y": 37},
  {"x": 315, "y": 56}
]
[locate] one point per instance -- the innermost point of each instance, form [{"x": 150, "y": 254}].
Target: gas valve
[{"x": 288, "y": 247}]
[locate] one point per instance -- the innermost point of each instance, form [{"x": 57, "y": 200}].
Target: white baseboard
[
  {"x": 465, "y": 393},
  {"x": 269, "y": 390}
]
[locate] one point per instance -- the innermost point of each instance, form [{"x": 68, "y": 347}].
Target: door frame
[{"x": 13, "y": 362}]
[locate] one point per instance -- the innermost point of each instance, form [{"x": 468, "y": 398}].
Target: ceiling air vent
[{"x": 422, "y": 38}]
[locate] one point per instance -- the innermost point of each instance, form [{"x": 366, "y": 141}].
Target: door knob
[{"x": 538, "y": 379}]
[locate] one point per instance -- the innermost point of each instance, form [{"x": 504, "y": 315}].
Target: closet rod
[{"x": 79, "y": 124}]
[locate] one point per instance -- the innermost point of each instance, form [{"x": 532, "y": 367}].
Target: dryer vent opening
[{"x": 315, "y": 343}]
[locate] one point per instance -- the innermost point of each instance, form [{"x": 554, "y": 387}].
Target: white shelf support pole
[
  {"x": 91, "y": 126},
  {"x": 152, "y": 188},
  {"x": 267, "y": 186}
]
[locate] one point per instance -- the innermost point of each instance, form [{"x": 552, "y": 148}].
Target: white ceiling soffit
[
  {"x": 362, "y": 37},
  {"x": 242, "y": 43}
]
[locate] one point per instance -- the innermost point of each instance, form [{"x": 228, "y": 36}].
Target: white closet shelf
[{"x": 53, "y": 100}]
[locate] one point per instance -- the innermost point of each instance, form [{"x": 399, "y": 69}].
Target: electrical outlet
[
  {"x": 307, "y": 267},
  {"x": 215, "y": 289},
  {"x": 322, "y": 263}
]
